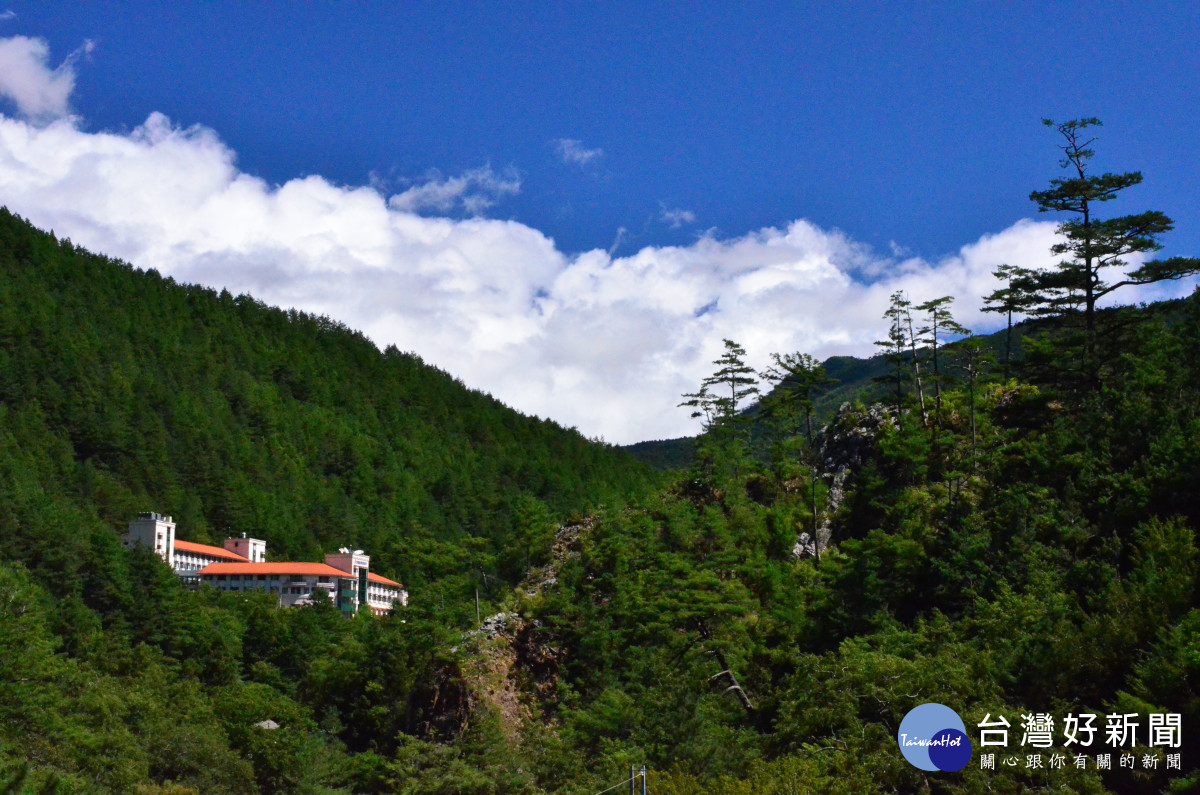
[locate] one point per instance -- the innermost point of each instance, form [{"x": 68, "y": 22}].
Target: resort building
[
  {"x": 191, "y": 557},
  {"x": 303, "y": 583},
  {"x": 345, "y": 578}
]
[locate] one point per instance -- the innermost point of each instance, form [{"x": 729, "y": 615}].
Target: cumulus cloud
[
  {"x": 474, "y": 191},
  {"x": 677, "y": 217},
  {"x": 38, "y": 92},
  {"x": 572, "y": 151},
  {"x": 603, "y": 342}
]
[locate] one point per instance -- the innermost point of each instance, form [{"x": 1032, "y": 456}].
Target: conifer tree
[
  {"x": 704, "y": 406},
  {"x": 915, "y": 359},
  {"x": 1017, "y": 296},
  {"x": 895, "y": 344},
  {"x": 733, "y": 381},
  {"x": 973, "y": 356},
  {"x": 1093, "y": 244},
  {"x": 797, "y": 377},
  {"x": 939, "y": 322}
]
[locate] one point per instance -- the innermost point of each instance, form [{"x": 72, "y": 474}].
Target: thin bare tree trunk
[{"x": 912, "y": 344}]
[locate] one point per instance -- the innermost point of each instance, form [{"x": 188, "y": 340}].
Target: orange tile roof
[
  {"x": 321, "y": 569},
  {"x": 211, "y": 551},
  {"x": 373, "y": 577}
]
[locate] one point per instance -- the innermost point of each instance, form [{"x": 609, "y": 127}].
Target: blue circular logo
[{"x": 933, "y": 737}]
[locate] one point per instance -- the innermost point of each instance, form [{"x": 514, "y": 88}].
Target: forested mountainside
[
  {"x": 1024, "y": 546},
  {"x": 127, "y": 392},
  {"x": 121, "y": 392},
  {"x": 1010, "y": 541},
  {"x": 852, "y": 378}
]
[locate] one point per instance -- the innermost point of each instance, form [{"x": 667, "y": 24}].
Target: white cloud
[
  {"x": 474, "y": 190},
  {"x": 618, "y": 239},
  {"x": 571, "y": 150},
  {"x": 677, "y": 217},
  {"x": 39, "y": 92},
  {"x": 7, "y": 14},
  {"x": 606, "y": 343}
]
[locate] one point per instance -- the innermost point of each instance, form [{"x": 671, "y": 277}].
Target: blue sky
[{"x": 609, "y": 151}]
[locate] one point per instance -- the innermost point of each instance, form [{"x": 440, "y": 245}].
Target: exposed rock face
[
  {"x": 509, "y": 663},
  {"x": 566, "y": 545},
  {"x": 440, "y": 706},
  {"x": 539, "y": 657},
  {"x": 494, "y": 625},
  {"x": 843, "y": 446}
]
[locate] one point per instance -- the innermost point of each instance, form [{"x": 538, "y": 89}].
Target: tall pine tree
[{"x": 1092, "y": 244}]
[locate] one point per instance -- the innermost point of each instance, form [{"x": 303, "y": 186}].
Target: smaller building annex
[{"x": 190, "y": 557}]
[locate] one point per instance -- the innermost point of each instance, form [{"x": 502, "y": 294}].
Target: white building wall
[
  {"x": 155, "y": 531},
  {"x": 292, "y": 589},
  {"x": 188, "y": 563},
  {"x": 382, "y": 598},
  {"x": 253, "y": 549}
]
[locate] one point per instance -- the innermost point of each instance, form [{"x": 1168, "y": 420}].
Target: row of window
[
  {"x": 304, "y": 590},
  {"x": 371, "y": 589},
  {"x": 295, "y": 590},
  {"x": 379, "y": 594},
  {"x": 265, "y": 577}
]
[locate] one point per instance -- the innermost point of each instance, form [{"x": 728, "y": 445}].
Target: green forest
[{"x": 1004, "y": 525}]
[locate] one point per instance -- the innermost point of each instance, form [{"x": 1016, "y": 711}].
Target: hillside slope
[
  {"x": 1027, "y": 547},
  {"x": 122, "y": 391},
  {"x": 130, "y": 392}
]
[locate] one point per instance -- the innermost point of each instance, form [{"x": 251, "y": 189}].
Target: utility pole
[
  {"x": 643, "y": 780},
  {"x": 632, "y": 780}
]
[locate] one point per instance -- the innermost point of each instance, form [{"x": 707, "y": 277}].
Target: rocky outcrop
[
  {"x": 510, "y": 663},
  {"x": 539, "y": 658},
  {"x": 843, "y": 446},
  {"x": 490, "y": 627}
]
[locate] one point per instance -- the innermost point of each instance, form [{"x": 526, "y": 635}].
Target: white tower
[{"x": 156, "y": 531}]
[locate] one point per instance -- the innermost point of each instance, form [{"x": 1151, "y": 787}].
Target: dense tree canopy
[{"x": 1030, "y": 550}]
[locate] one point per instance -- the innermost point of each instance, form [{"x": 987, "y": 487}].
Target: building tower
[{"x": 156, "y": 531}]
